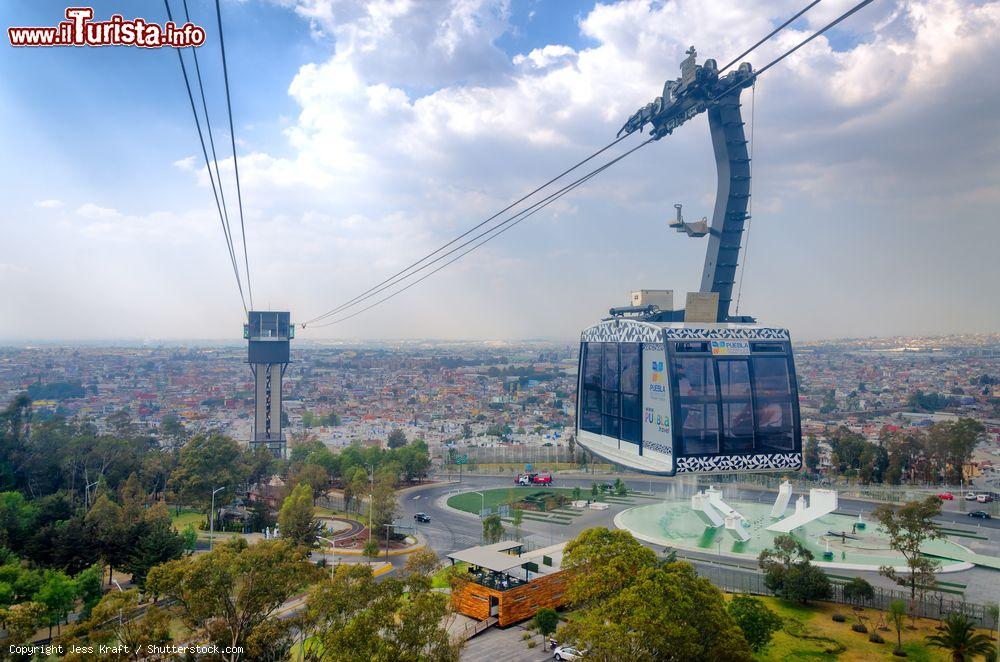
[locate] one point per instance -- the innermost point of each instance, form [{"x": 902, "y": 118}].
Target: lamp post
[
  {"x": 211, "y": 520},
  {"x": 371, "y": 510},
  {"x": 481, "y": 509},
  {"x": 87, "y": 490}
]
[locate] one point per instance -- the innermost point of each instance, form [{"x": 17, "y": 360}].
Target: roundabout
[{"x": 835, "y": 540}]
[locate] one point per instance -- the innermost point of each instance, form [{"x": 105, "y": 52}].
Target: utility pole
[{"x": 388, "y": 529}]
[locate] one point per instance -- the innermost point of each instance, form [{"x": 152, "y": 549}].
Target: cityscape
[{"x": 656, "y": 330}]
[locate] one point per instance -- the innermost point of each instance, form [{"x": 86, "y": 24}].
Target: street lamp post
[
  {"x": 211, "y": 520},
  {"x": 481, "y": 509},
  {"x": 371, "y": 511},
  {"x": 87, "y": 491}
]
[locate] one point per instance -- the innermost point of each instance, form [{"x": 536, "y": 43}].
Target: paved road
[{"x": 449, "y": 530}]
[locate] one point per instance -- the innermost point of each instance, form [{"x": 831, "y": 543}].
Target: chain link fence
[{"x": 927, "y": 605}]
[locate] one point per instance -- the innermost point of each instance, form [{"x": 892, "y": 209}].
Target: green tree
[
  {"x": 384, "y": 504},
  {"x": 207, "y": 462},
  {"x": 517, "y": 520},
  {"x": 297, "y": 517},
  {"x": 312, "y": 475},
  {"x": 104, "y": 523},
  {"x": 960, "y": 638},
  {"x": 546, "y": 620},
  {"x": 190, "y": 537},
  {"x": 858, "y": 591},
  {"x": 577, "y": 493},
  {"x": 757, "y": 622},
  {"x": 233, "y": 590},
  {"x": 21, "y": 621},
  {"x": 788, "y": 571},
  {"x": 396, "y": 439},
  {"x": 993, "y": 613},
  {"x": 631, "y": 607},
  {"x": 17, "y": 518},
  {"x": 603, "y": 563},
  {"x": 58, "y": 594},
  {"x": 257, "y": 465},
  {"x": 354, "y": 617},
  {"x": 810, "y": 454},
  {"x": 117, "y": 619},
  {"x": 908, "y": 528},
  {"x": 371, "y": 549},
  {"x": 492, "y": 529},
  {"x": 153, "y": 541},
  {"x": 897, "y": 614},
  {"x": 88, "y": 589},
  {"x": 620, "y": 488}
]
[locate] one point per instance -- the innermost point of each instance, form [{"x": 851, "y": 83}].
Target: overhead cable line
[
  {"x": 565, "y": 190},
  {"x": 211, "y": 143},
  {"x": 464, "y": 234},
  {"x": 204, "y": 151},
  {"x": 831, "y": 24},
  {"x": 405, "y": 273},
  {"x": 510, "y": 220},
  {"x": 232, "y": 136},
  {"x": 500, "y": 229},
  {"x": 770, "y": 34}
]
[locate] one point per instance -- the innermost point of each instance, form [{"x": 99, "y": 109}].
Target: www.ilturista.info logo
[{"x": 81, "y": 30}]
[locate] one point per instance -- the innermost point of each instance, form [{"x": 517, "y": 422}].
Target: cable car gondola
[{"x": 693, "y": 391}]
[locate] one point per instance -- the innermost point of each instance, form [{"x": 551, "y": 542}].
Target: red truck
[{"x": 533, "y": 479}]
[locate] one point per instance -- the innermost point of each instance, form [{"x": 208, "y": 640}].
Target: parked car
[
  {"x": 946, "y": 496},
  {"x": 568, "y": 653},
  {"x": 970, "y": 496},
  {"x": 606, "y": 486},
  {"x": 984, "y": 498},
  {"x": 422, "y": 517},
  {"x": 980, "y": 514}
]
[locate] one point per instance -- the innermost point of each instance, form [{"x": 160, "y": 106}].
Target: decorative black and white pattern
[
  {"x": 721, "y": 463},
  {"x": 623, "y": 331},
  {"x": 737, "y": 332}
]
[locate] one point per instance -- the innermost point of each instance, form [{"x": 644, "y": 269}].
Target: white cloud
[
  {"x": 186, "y": 164},
  {"x": 875, "y": 163},
  {"x": 49, "y": 204}
]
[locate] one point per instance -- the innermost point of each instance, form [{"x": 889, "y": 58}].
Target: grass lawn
[
  {"x": 471, "y": 502},
  {"x": 811, "y": 634},
  {"x": 440, "y": 578},
  {"x": 187, "y": 516}
]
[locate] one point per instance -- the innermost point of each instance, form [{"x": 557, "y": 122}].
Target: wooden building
[{"x": 505, "y": 583}]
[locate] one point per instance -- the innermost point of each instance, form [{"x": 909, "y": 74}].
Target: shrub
[
  {"x": 532, "y": 643},
  {"x": 876, "y": 638},
  {"x": 899, "y": 652},
  {"x": 860, "y": 627},
  {"x": 525, "y": 636},
  {"x": 839, "y": 618},
  {"x": 757, "y": 621}
]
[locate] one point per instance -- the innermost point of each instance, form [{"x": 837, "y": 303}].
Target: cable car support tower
[{"x": 699, "y": 89}]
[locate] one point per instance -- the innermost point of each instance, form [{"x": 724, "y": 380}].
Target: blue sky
[{"x": 370, "y": 133}]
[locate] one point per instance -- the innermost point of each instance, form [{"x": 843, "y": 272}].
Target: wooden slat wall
[{"x": 473, "y": 600}]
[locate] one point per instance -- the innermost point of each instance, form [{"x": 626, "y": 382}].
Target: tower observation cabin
[
  {"x": 268, "y": 334},
  {"x": 695, "y": 390}
]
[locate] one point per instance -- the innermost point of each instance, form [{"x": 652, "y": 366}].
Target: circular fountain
[{"x": 837, "y": 541}]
